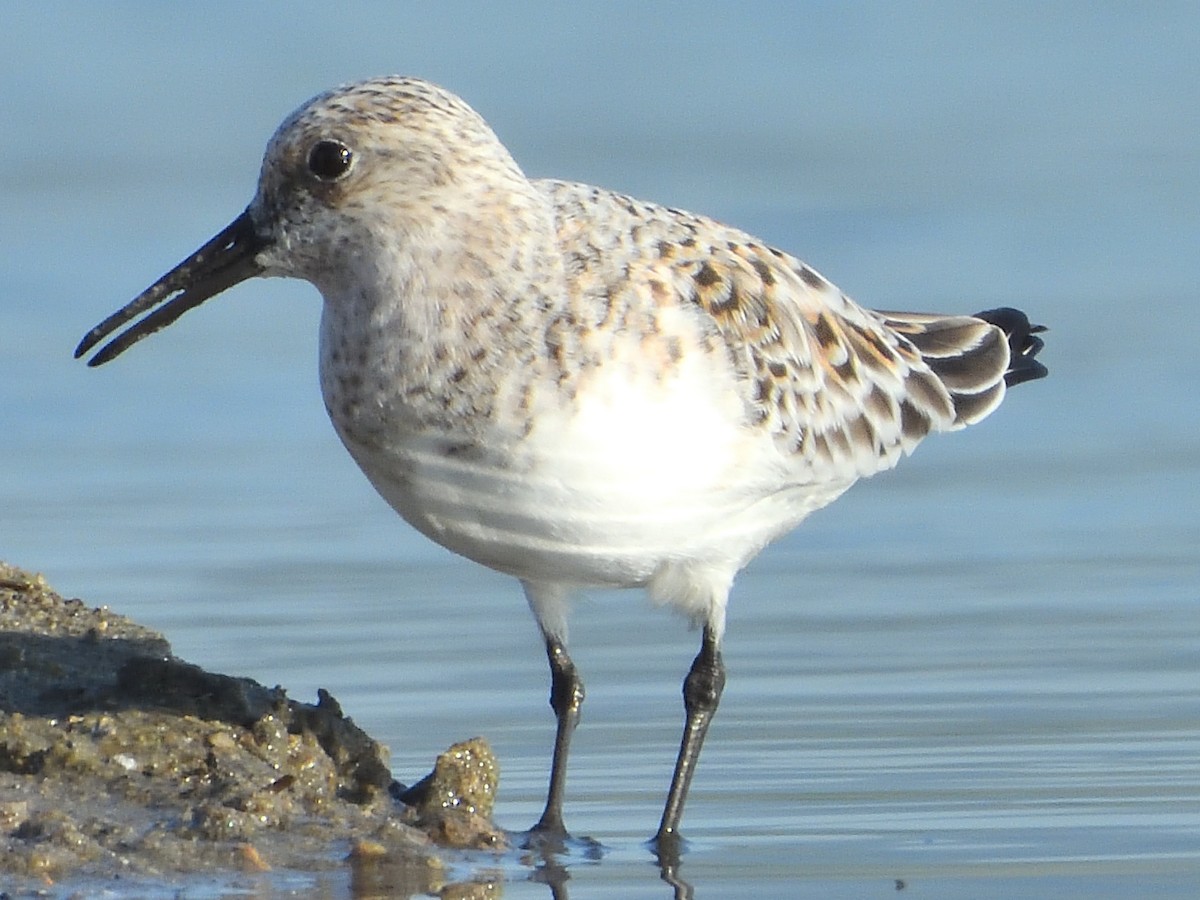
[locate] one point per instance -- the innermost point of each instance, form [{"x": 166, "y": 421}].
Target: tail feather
[
  {"x": 974, "y": 357},
  {"x": 1023, "y": 346}
]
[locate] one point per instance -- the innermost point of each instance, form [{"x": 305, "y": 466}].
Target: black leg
[
  {"x": 701, "y": 694},
  {"x": 566, "y": 697}
]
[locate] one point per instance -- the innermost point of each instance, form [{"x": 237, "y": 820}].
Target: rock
[{"x": 117, "y": 758}]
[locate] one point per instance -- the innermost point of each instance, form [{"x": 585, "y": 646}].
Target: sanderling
[{"x": 573, "y": 386}]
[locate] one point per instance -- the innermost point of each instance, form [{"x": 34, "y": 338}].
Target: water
[{"x": 976, "y": 674}]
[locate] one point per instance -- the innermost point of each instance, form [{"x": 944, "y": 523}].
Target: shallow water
[{"x": 976, "y": 674}]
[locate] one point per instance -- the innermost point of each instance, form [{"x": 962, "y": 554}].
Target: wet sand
[{"x": 121, "y": 762}]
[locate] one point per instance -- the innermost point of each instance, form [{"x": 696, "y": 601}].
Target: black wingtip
[{"x": 1023, "y": 346}]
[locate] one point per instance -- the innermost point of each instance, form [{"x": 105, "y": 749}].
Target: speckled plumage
[{"x": 570, "y": 385}]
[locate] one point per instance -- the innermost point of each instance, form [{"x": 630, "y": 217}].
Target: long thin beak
[{"x": 226, "y": 260}]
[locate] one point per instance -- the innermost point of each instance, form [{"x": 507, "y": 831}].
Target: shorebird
[{"x": 572, "y": 386}]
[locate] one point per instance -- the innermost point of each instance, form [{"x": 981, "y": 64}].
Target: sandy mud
[{"x": 120, "y": 763}]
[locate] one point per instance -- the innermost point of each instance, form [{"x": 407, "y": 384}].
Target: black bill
[{"x": 227, "y": 259}]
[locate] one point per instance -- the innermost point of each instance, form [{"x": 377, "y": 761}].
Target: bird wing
[{"x": 844, "y": 390}]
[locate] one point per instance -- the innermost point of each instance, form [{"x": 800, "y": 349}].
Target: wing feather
[{"x": 844, "y": 391}]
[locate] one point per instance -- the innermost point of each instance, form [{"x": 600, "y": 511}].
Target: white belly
[{"x": 605, "y": 493}]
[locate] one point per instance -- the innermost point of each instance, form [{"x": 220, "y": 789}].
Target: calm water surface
[{"x": 977, "y": 674}]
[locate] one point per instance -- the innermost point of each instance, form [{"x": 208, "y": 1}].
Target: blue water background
[{"x": 978, "y": 673}]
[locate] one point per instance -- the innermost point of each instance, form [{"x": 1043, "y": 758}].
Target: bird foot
[{"x": 554, "y": 840}]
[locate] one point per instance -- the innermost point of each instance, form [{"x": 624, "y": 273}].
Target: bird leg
[
  {"x": 701, "y": 693},
  {"x": 566, "y": 697}
]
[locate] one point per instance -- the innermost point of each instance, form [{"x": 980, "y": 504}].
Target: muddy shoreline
[{"x": 119, "y": 761}]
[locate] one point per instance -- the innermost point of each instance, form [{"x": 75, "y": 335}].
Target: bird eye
[{"x": 329, "y": 160}]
